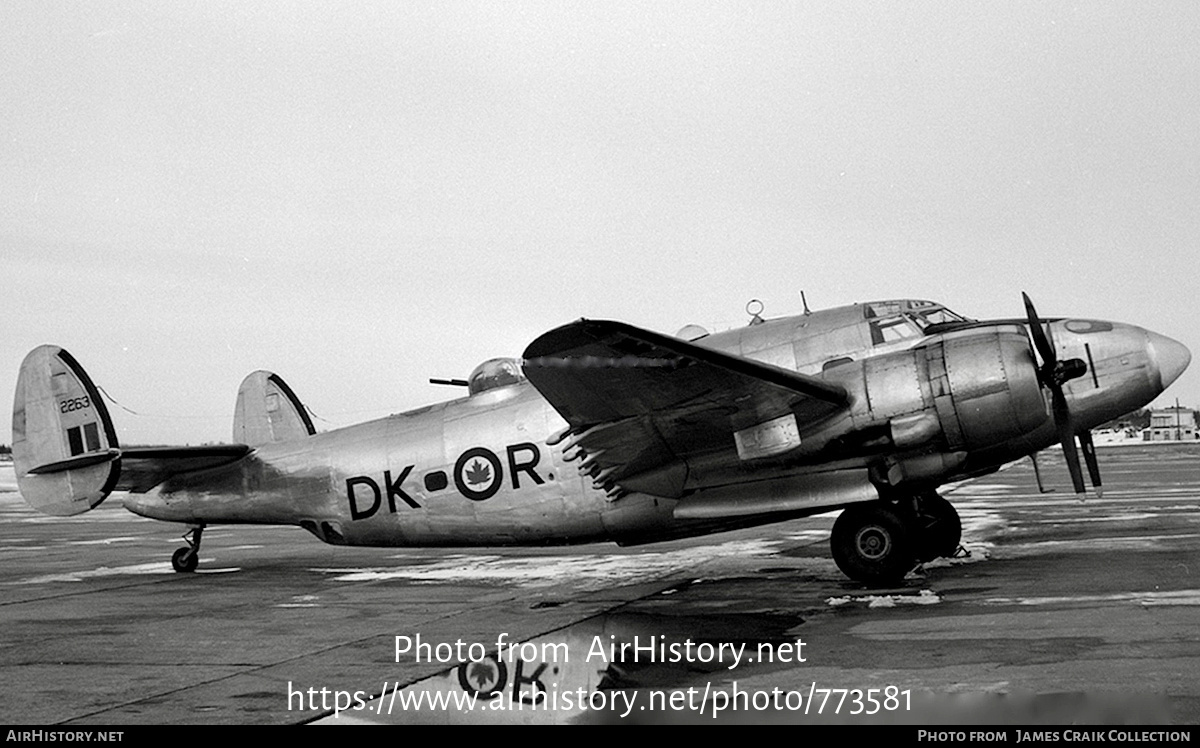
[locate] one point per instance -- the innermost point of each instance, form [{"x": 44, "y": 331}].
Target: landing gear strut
[{"x": 186, "y": 559}]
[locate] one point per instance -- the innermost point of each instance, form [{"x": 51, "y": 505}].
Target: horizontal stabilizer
[
  {"x": 144, "y": 468},
  {"x": 75, "y": 463},
  {"x": 267, "y": 411},
  {"x": 65, "y": 451},
  {"x": 64, "y": 446}
]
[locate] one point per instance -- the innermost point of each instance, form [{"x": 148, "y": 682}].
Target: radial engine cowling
[{"x": 985, "y": 387}]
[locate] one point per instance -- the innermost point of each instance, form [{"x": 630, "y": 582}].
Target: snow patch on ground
[
  {"x": 924, "y": 597},
  {"x": 1155, "y": 598},
  {"x": 157, "y": 567},
  {"x": 592, "y": 571}
]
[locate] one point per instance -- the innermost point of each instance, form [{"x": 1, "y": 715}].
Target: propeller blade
[
  {"x": 1066, "y": 436},
  {"x": 1089, "y": 457},
  {"x": 1071, "y": 455},
  {"x": 1041, "y": 337},
  {"x": 1052, "y": 375}
]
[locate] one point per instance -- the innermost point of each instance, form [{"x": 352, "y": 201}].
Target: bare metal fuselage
[
  {"x": 396, "y": 482},
  {"x": 478, "y": 471}
]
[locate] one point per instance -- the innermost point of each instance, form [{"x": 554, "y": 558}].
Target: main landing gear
[
  {"x": 187, "y": 559},
  {"x": 878, "y": 542},
  {"x": 938, "y": 528}
]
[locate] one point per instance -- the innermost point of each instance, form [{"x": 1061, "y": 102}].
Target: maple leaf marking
[
  {"x": 482, "y": 673},
  {"x": 478, "y": 473}
]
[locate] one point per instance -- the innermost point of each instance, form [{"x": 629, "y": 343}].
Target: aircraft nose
[{"x": 1171, "y": 356}]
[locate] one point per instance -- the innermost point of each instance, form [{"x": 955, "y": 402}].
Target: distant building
[{"x": 1171, "y": 424}]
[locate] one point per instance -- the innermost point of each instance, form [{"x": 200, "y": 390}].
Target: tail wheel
[
  {"x": 872, "y": 545},
  {"x": 185, "y": 559}
]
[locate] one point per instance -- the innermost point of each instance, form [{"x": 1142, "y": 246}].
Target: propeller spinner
[{"x": 1053, "y": 374}]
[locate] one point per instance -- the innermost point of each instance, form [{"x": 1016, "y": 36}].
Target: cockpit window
[
  {"x": 892, "y": 329},
  {"x": 882, "y": 309},
  {"x": 891, "y": 321},
  {"x": 493, "y": 373},
  {"x": 935, "y": 316}
]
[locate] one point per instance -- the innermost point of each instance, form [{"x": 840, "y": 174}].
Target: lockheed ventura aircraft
[{"x": 607, "y": 432}]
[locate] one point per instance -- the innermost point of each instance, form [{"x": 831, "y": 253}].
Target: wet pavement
[{"x": 1063, "y": 612}]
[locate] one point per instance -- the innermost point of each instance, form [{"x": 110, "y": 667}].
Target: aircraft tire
[
  {"x": 940, "y": 529},
  {"x": 185, "y": 560},
  {"x": 872, "y": 544}
]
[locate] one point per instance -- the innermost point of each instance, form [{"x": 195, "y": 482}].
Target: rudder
[
  {"x": 267, "y": 411},
  {"x": 65, "y": 450}
]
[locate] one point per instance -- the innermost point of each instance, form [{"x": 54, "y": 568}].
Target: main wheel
[
  {"x": 185, "y": 560},
  {"x": 872, "y": 545},
  {"x": 938, "y": 529}
]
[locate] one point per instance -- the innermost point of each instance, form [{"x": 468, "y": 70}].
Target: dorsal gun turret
[{"x": 494, "y": 373}]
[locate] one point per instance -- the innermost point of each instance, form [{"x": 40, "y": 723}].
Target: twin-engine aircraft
[{"x": 607, "y": 432}]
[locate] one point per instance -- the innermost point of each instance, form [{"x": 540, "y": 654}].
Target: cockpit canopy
[
  {"x": 892, "y": 321},
  {"x": 493, "y": 373}
]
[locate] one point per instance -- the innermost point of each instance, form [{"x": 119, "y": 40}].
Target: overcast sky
[{"x": 361, "y": 196}]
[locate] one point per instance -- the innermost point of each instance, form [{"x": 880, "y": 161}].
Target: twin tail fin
[
  {"x": 65, "y": 451},
  {"x": 267, "y": 411}
]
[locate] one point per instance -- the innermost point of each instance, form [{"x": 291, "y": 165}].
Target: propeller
[
  {"x": 1053, "y": 374},
  {"x": 1089, "y": 458}
]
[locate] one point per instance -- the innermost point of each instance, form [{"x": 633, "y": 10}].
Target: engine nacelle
[
  {"x": 958, "y": 392},
  {"x": 985, "y": 387}
]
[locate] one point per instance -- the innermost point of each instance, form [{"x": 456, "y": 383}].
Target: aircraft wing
[{"x": 640, "y": 404}]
